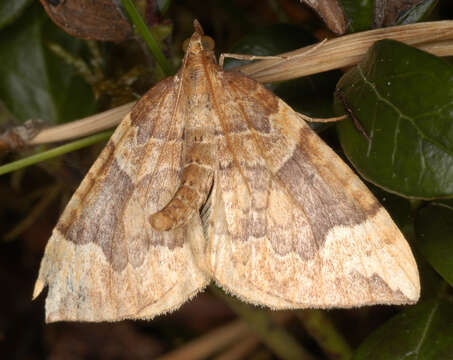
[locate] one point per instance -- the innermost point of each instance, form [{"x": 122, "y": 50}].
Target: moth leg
[
  {"x": 249, "y": 57},
  {"x": 303, "y": 52},
  {"x": 197, "y": 179},
  {"x": 359, "y": 126},
  {"x": 322, "y": 120}
]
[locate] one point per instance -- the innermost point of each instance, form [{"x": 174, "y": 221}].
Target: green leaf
[
  {"x": 434, "y": 231},
  {"x": 35, "y": 83},
  {"x": 422, "y": 332},
  {"x": 359, "y": 14},
  {"x": 398, "y": 207},
  {"x": 418, "y": 12},
  {"x": 403, "y": 98},
  {"x": 164, "y": 5},
  {"x": 10, "y": 10}
]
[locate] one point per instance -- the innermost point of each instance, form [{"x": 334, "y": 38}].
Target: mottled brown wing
[
  {"x": 290, "y": 225},
  {"x": 104, "y": 261}
]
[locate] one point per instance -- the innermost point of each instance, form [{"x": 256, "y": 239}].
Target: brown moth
[{"x": 212, "y": 177}]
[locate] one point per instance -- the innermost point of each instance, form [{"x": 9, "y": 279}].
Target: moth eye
[
  {"x": 185, "y": 44},
  {"x": 208, "y": 42},
  {"x": 55, "y": 2}
]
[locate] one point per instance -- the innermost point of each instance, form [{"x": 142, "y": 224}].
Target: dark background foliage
[{"x": 402, "y": 96}]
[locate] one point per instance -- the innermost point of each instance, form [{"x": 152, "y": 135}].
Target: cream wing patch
[{"x": 86, "y": 288}]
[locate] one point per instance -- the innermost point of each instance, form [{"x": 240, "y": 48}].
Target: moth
[{"x": 211, "y": 177}]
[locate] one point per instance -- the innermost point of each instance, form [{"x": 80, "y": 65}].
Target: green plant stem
[
  {"x": 320, "y": 327},
  {"x": 148, "y": 37},
  {"x": 60, "y": 150},
  {"x": 270, "y": 333}
]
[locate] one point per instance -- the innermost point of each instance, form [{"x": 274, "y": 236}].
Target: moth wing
[
  {"x": 104, "y": 261},
  {"x": 290, "y": 225}
]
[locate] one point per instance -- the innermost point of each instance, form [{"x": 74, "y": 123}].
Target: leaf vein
[
  {"x": 402, "y": 115},
  {"x": 425, "y": 330}
]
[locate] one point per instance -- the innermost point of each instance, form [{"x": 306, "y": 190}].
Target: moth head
[{"x": 198, "y": 42}]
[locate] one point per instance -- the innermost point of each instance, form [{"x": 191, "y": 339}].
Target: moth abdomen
[{"x": 197, "y": 180}]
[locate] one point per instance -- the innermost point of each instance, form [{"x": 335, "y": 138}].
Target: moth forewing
[
  {"x": 293, "y": 226},
  {"x": 286, "y": 223},
  {"x": 104, "y": 260}
]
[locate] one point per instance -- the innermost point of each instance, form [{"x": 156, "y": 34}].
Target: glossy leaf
[
  {"x": 418, "y": 12},
  {"x": 434, "y": 230},
  {"x": 359, "y": 14},
  {"x": 389, "y": 13},
  {"x": 398, "y": 207},
  {"x": 403, "y": 98},
  {"x": 422, "y": 332},
  {"x": 10, "y": 10},
  {"x": 35, "y": 83}
]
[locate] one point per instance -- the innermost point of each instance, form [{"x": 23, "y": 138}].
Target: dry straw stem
[
  {"x": 435, "y": 37},
  {"x": 83, "y": 127},
  {"x": 217, "y": 340}
]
